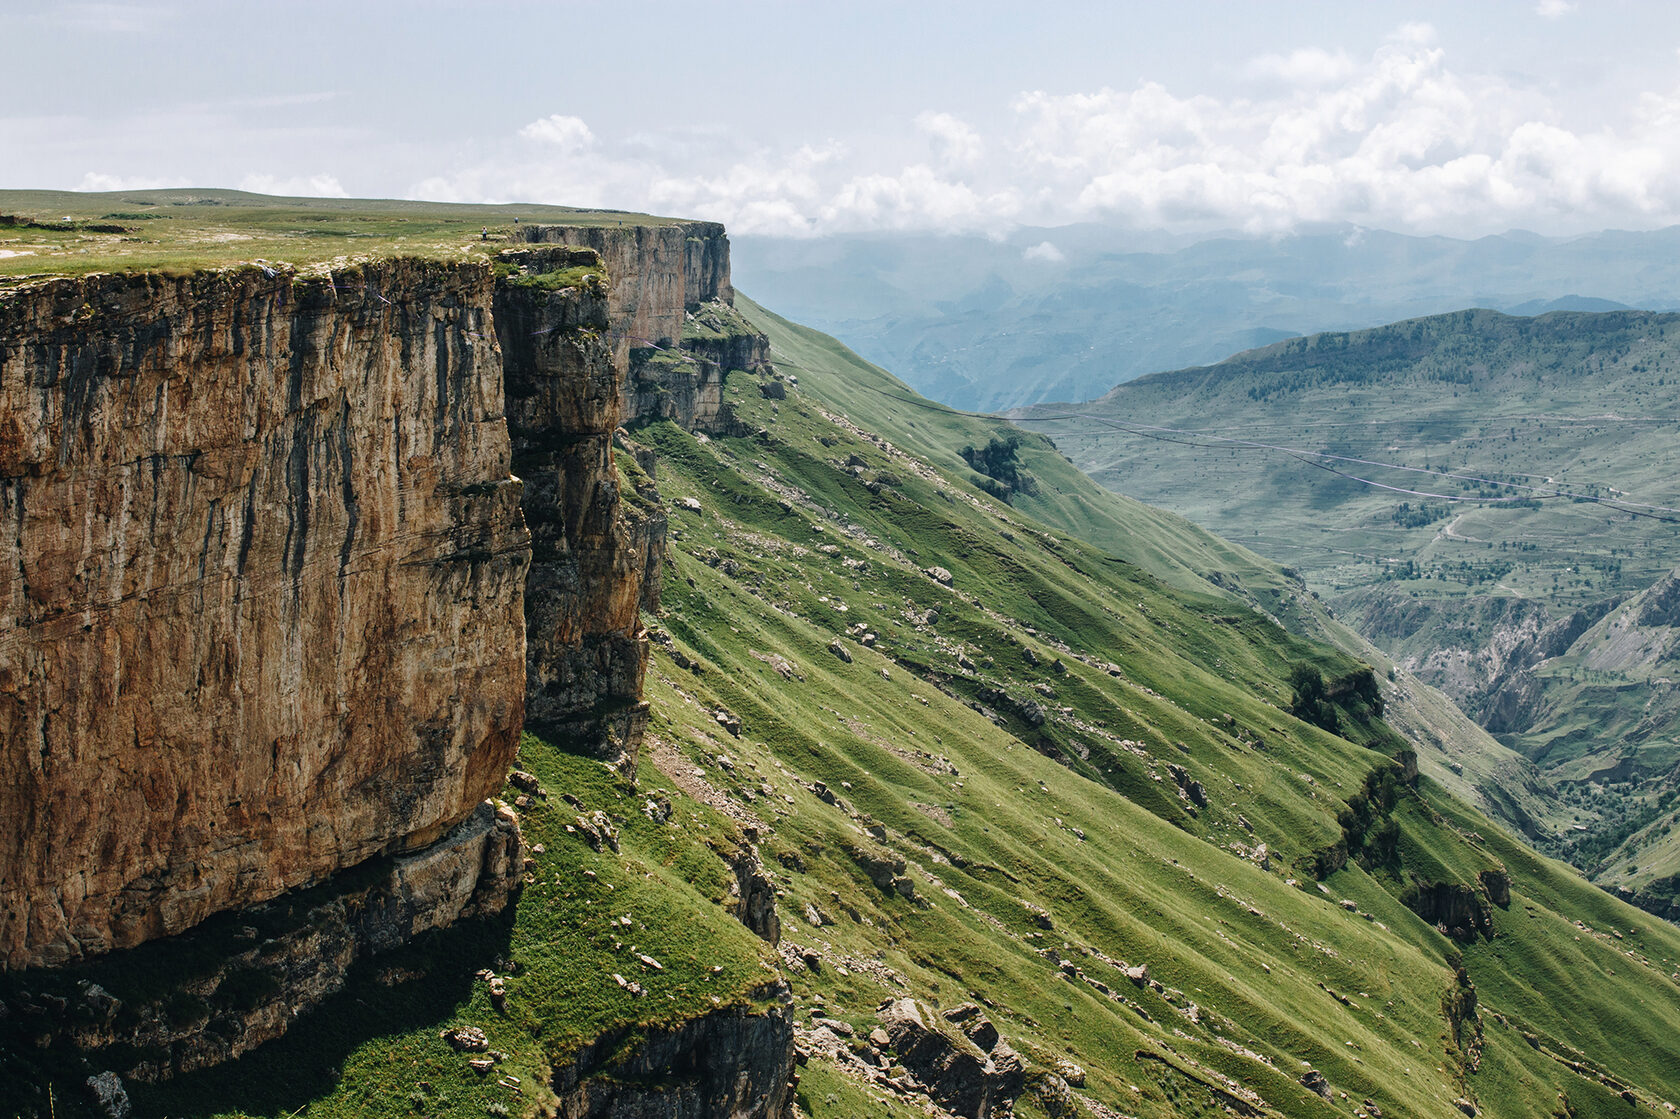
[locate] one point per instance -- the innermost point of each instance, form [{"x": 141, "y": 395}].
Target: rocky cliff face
[
  {"x": 594, "y": 556},
  {"x": 675, "y": 334},
  {"x": 729, "y": 1065},
  {"x": 261, "y": 588},
  {"x": 287, "y": 564},
  {"x": 241, "y": 979},
  {"x": 658, "y": 272}
]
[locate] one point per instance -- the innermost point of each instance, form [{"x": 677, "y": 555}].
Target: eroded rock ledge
[
  {"x": 731, "y": 1064},
  {"x": 241, "y": 979}
]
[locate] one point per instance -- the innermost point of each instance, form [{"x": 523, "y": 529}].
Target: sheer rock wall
[{"x": 262, "y": 577}]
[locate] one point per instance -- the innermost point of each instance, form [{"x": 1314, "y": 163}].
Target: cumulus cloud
[
  {"x": 569, "y": 134},
  {"x": 956, "y": 143},
  {"x": 294, "y": 186},
  {"x": 98, "y": 181},
  {"x": 1399, "y": 138},
  {"x": 1553, "y": 9},
  {"x": 1045, "y": 252}
]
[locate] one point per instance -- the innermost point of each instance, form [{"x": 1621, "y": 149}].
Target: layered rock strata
[
  {"x": 730, "y": 1064},
  {"x": 675, "y": 334},
  {"x": 595, "y": 557},
  {"x": 274, "y": 621},
  {"x": 262, "y": 576},
  {"x": 240, "y": 980}
]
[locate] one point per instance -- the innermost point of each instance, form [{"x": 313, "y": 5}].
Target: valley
[{"x": 1489, "y": 499}]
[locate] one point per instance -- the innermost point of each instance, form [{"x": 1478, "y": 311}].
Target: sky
[{"x": 804, "y": 119}]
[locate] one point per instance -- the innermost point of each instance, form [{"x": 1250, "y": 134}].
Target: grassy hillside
[
  {"x": 181, "y": 230},
  {"x": 1451, "y": 749},
  {"x": 1474, "y": 493},
  {"x": 928, "y": 743}
]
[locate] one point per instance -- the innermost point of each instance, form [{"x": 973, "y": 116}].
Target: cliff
[
  {"x": 594, "y": 558},
  {"x": 290, "y": 561},
  {"x": 675, "y": 333},
  {"x": 261, "y": 588}
]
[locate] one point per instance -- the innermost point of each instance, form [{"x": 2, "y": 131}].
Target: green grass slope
[
  {"x": 988, "y": 761},
  {"x": 1031, "y": 740},
  {"x": 1451, "y": 749}
]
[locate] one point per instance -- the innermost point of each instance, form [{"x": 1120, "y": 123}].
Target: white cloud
[
  {"x": 1309, "y": 66},
  {"x": 97, "y": 181},
  {"x": 1553, "y": 9},
  {"x": 569, "y": 134},
  {"x": 955, "y": 142},
  {"x": 1400, "y": 138},
  {"x": 294, "y": 186},
  {"x": 1046, "y": 252}
]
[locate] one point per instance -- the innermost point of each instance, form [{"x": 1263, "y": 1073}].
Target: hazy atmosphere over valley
[{"x": 765, "y": 560}]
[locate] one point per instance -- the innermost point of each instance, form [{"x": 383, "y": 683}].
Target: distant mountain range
[{"x": 1068, "y": 313}]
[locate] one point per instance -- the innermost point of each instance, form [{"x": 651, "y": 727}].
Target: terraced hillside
[
  {"x": 1489, "y": 499},
  {"x": 1058, "y": 804}
]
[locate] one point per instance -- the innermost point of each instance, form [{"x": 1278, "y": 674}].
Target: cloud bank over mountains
[
  {"x": 1402, "y": 139},
  {"x": 1403, "y": 133}
]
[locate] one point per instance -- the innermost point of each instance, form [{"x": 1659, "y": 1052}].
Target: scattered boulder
[
  {"x": 883, "y": 867},
  {"x": 1071, "y": 1073},
  {"x": 690, "y": 504},
  {"x": 960, "y": 1075},
  {"x": 596, "y": 830},
  {"x": 839, "y": 650},
  {"x": 940, "y": 575},
  {"x": 1498, "y": 886},
  {"x": 975, "y": 1026},
  {"x": 1313, "y": 1081},
  {"x": 755, "y": 893},
  {"x": 658, "y": 807},
  {"x": 466, "y": 1039},
  {"x": 1028, "y": 711},
  {"x": 109, "y": 1096}
]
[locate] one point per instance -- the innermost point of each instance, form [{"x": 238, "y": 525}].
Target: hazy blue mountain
[{"x": 1067, "y": 313}]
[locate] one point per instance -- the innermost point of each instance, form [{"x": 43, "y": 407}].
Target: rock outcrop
[
  {"x": 593, "y": 554},
  {"x": 240, "y": 980},
  {"x": 731, "y": 1064},
  {"x": 976, "y": 1076},
  {"x": 262, "y": 581},
  {"x": 287, "y": 563},
  {"x": 675, "y": 332}
]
